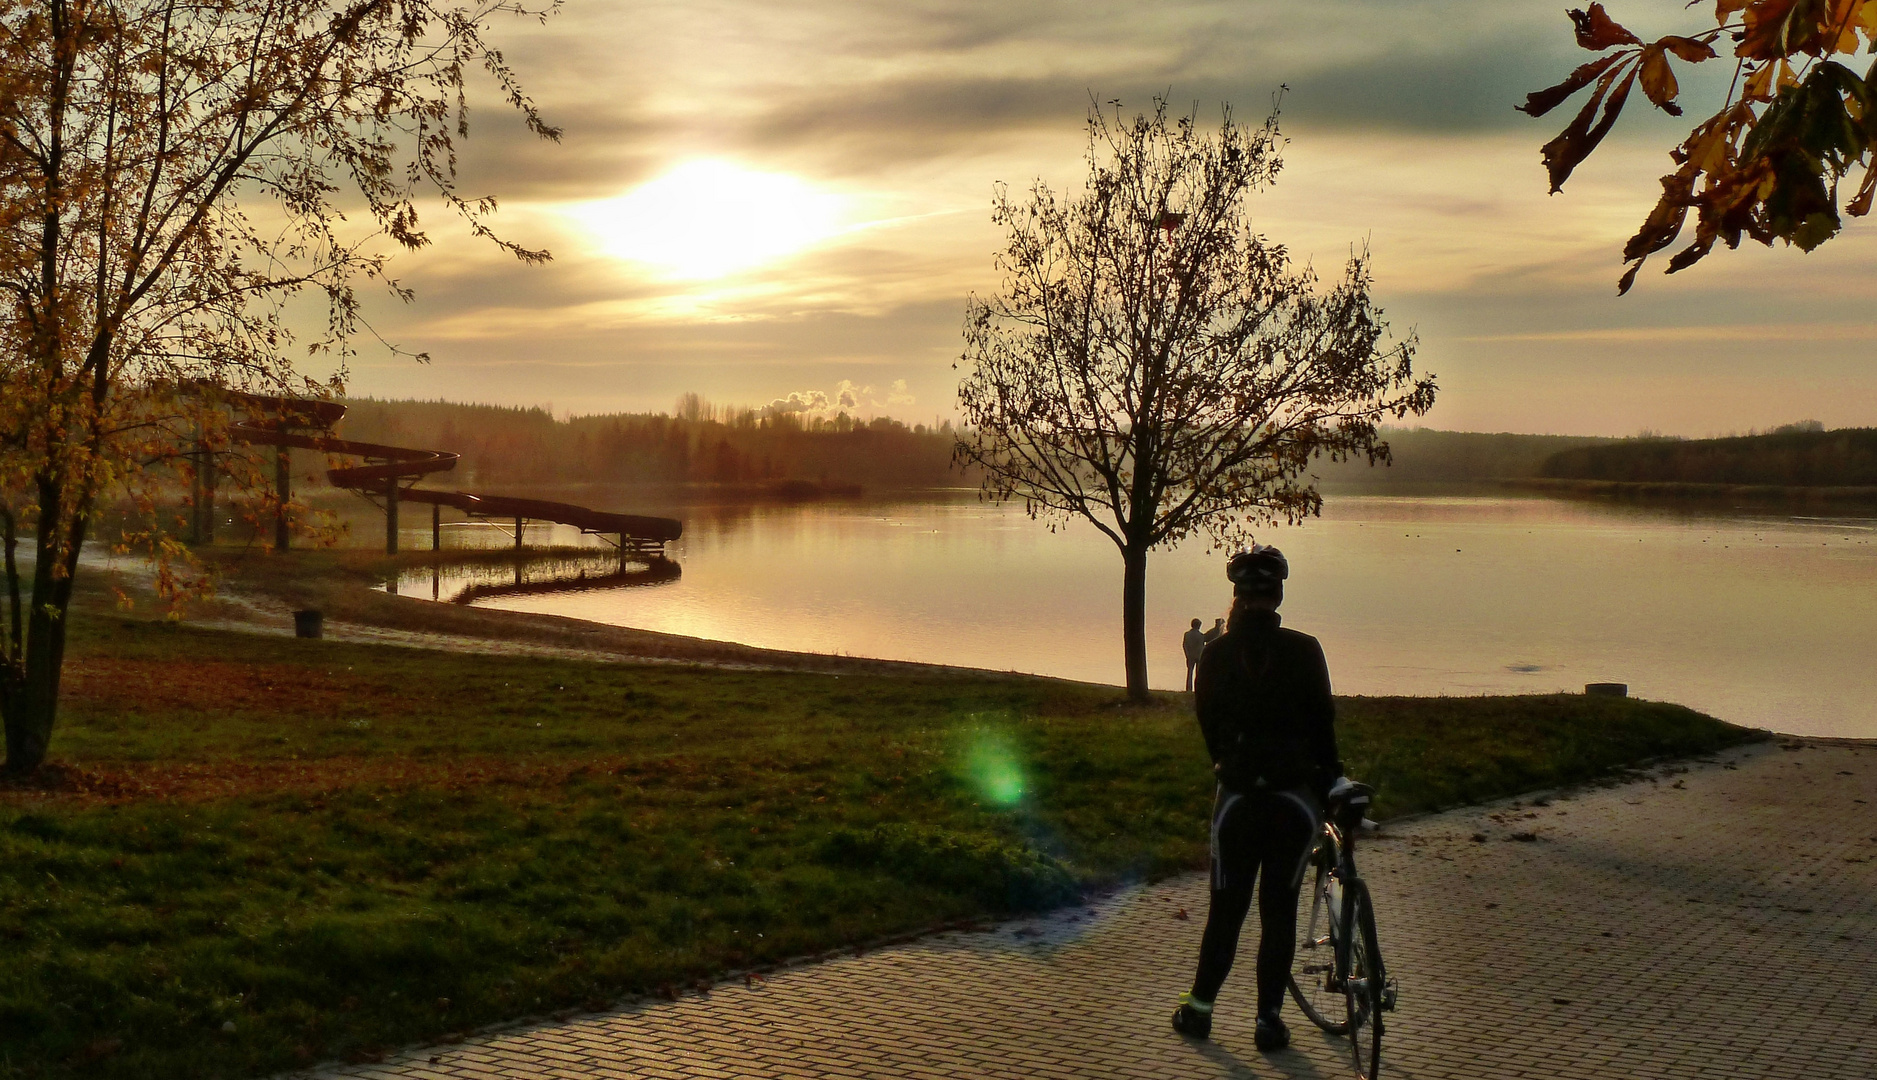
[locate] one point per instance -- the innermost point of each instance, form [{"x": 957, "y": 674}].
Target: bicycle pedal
[{"x": 1388, "y": 995}]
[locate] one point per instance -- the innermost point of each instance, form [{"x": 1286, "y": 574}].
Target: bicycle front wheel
[
  {"x": 1313, "y": 977},
  {"x": 1366, "y": 984}
]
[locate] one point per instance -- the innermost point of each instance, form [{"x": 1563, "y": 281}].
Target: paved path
[{"x": 1713, "y": 920}]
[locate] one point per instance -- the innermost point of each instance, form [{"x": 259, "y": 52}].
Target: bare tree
[
  {"x": 1156, "y": 367},
  {"x": 172, "y": 177}
]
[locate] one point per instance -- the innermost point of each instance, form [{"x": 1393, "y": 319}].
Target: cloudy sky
[{"x": 755, "y": 199}]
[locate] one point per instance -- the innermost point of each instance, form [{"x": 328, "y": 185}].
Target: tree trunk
[
  {"x": 1134, "y": 619},
  {"x": 31, "y": 704}
]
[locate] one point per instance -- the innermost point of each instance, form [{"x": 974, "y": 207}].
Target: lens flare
[{"x": 994, "y": 768}]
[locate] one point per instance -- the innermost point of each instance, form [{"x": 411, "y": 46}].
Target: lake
[{"x": 1759, "y": 618}]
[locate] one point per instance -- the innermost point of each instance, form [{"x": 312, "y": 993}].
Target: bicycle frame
[
  {"x": 1342, "y": 841},
  {"x": 1342, "y": 868},
  {"x": 1350, "y": 968}
]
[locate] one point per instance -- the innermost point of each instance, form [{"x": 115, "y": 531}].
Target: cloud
[
  {"x": 1404, "y": 138},
  {"x": 799, "y": 401},
  {"x": 1689, "y": 334},
  {"x": 848, "y": 88},
  {"x": 848, "y": 396}
]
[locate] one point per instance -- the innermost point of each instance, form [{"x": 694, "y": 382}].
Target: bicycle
[{"x": 1338, "y": 966}]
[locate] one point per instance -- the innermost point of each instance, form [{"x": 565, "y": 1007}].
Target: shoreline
[
  {"x": 254, "y": 595},
  {"x": 1671, "y": 492},
  {"x": 259, "y": 594}
]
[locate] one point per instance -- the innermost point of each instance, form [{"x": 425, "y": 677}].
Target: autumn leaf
[
  {"x": 1759, "y": 84},
  {"x": 1779, "y": 28},
  {"x": 1664, "y": 222},
  {"x": 1579, "y": 138},
  {"x": 1841, "y": 24},
  {"x": 1692, "y": 50},
  {"x": 1812, "y": 120},
  {"x": 1708, "y": 144},
  {"x": 1818, "y": 227},
  {"x": 1541, "y": 102},
  {"x": 1596, "y": 31},
  {"x": 1844, "y": 27},
  {"x": 1861, "y": 202},
  {"x": 1658, "y": 80},
  {"x": 1768, "y": 165}
]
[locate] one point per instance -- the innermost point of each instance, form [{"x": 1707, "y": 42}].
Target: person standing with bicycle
[{"x": 1263, "y": 698}]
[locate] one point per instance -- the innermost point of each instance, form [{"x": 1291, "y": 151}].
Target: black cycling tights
[
  {"x": 1277, "y": 910},
  {"x": 1273, "y": 836}
]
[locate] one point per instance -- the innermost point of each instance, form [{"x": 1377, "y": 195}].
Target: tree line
[
  {"x": 1789, "y": 457},
  {"x": 697, "y": 443},
  {"x": 1426, "y": 455}
]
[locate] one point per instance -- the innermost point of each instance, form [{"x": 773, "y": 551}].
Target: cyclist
[{"x": 1263, "y": 697}]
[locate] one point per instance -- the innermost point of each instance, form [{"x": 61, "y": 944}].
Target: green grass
[{"x": 343, "y": 848}]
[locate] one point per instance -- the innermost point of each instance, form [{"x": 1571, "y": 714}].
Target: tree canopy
[
  {"x": 172, "y": 177},
  {"x": 1156, "y": 367},
  {"x": 1767, "y": 164}
]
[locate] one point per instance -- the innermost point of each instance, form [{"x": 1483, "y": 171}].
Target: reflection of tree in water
[{"x": 479, "y": 578}]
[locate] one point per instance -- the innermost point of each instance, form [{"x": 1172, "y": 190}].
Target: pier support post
[
  {"x": 518, "y": 521},
  {"x": 391, "y": 516},
  {"x": 202, "y": 522},
  {"x": 283, "y": 492},
  {"x": 436, "y": 527}
]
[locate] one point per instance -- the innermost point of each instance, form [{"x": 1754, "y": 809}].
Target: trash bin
[
  {"x": 308, "y": 623},
  {"x": 1607, "y": 689}
]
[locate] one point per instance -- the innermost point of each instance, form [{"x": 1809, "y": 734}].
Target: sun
[{"x": 710, "y": 218}]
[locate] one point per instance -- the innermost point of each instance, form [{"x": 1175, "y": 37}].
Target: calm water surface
[{"x": 1766, "y": 619}]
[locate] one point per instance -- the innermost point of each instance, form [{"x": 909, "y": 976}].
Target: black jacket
[{"x": 1263, "y": 694}]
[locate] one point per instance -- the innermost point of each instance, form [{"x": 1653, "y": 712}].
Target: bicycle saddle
[{"x": 1352, "y": 792}]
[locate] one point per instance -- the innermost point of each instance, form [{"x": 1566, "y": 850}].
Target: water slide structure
[{"x": 388, "y": 478}]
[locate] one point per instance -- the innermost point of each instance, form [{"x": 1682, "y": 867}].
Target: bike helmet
[{"x": 1258, "y": 572}]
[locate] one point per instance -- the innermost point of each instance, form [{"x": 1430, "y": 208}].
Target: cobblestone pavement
[{"x": 1715, "y": 919}]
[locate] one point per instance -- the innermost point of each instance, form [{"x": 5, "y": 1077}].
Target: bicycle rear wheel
[
  {"x": 1313, "y": 983},
  {"x": 1366, "y": 984}
]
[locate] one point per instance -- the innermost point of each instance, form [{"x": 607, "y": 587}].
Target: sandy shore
[{"x": 259, "y": 594}]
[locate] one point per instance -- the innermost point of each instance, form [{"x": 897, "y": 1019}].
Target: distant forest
[
  {"x": 700, "y": 443},
  {"x": 1423, "y": 455},
  {"x": 1801, "y": 455}
]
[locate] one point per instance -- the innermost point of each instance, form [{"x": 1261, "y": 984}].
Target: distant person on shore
[
  {"x": 1218, "y": 629},
  {"x": 1263, "y": 698},
  {"x": 1194, "y": 643}
]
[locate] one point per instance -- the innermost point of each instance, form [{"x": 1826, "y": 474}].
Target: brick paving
[{"x": 1714, "y": 919}]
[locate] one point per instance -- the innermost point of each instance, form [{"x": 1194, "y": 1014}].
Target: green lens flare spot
[{"x": 994, "y": 768}]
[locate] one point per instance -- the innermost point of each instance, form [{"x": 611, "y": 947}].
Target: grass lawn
[{"x": 337, "y": 849}]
